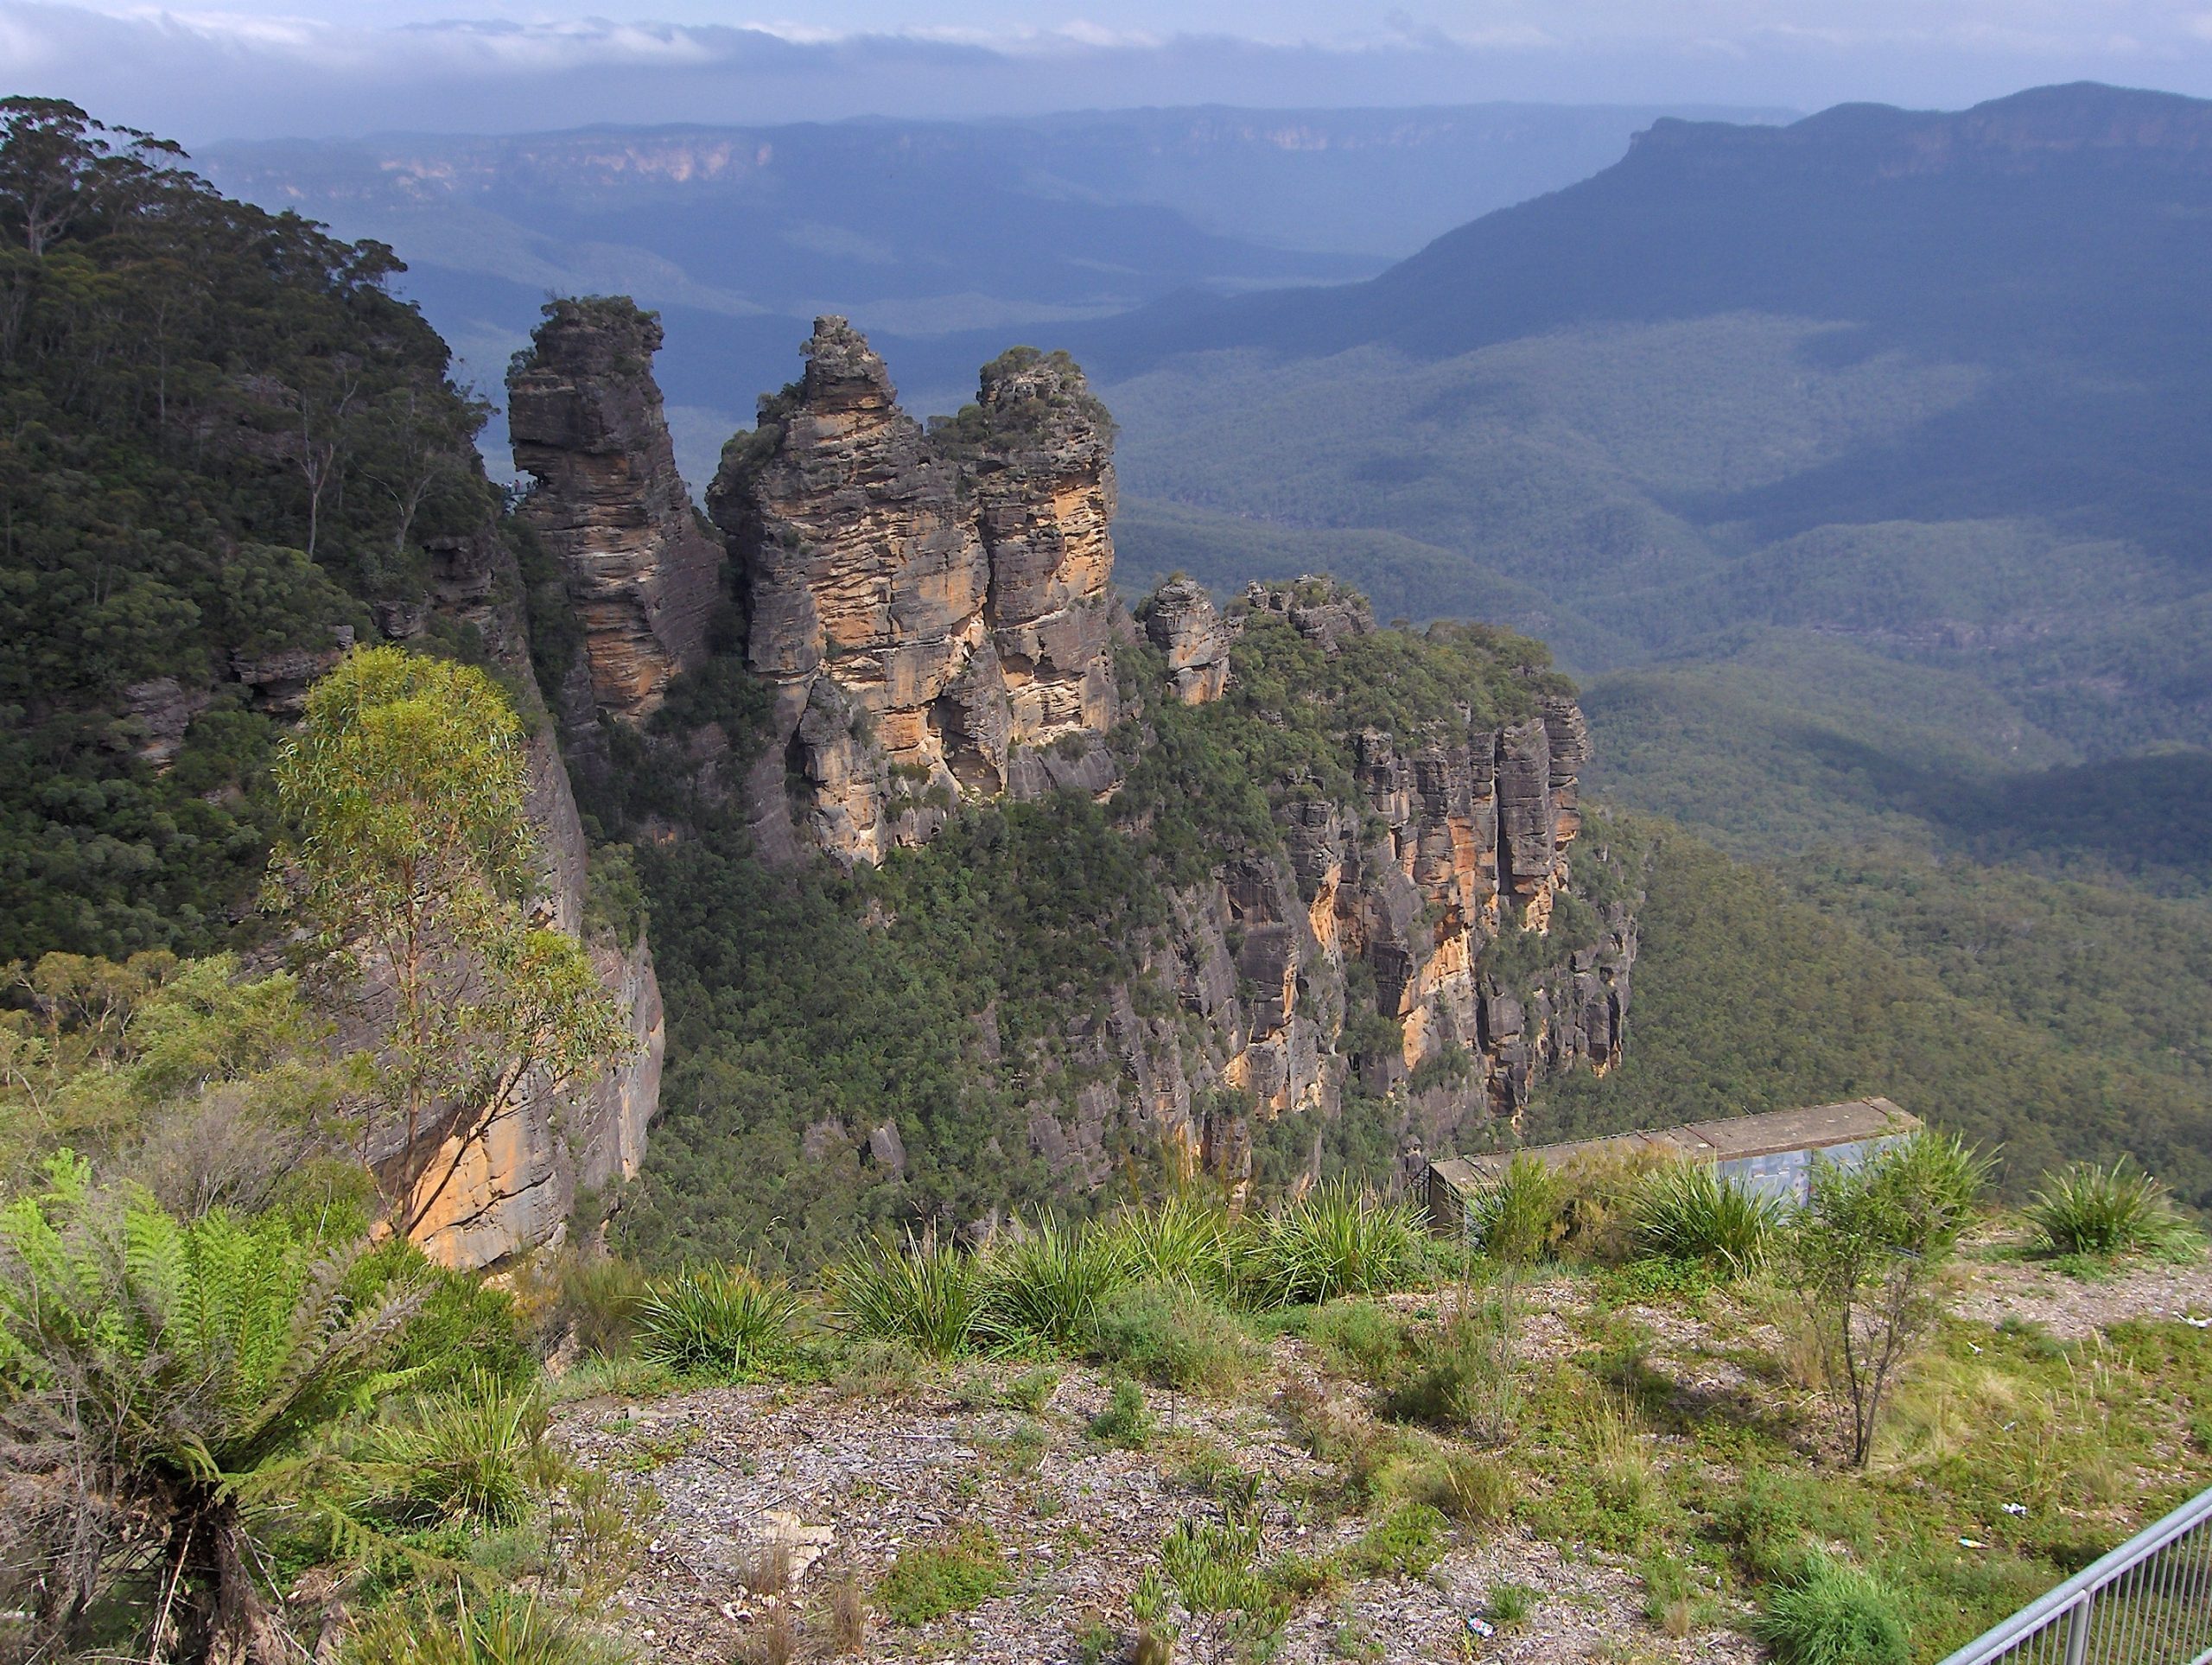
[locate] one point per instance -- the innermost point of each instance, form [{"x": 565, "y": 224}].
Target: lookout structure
[{"x": 1770, "y": 1155}]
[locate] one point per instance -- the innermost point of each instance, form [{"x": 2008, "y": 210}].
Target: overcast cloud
[{"x": 257, "y": 67}]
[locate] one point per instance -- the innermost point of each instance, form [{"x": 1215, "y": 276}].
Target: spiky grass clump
[
  {"x": 1188, "y": 1237},
  {"x": 500, "y": 1630},
  {"x": 718, "y": 1323},
  {"x": 466, "y": 1453},
  {"x": 932, "y": 1295},
  {"x": 1833, "y": 1614},
  {"x": 1514, "y": 1218},
  {"x": 1049, "y": 1282},
  {"x": 1934, "y": 1181},
  {"x": 1688, "y": 1212},
  {"x": 1337, "y": 1240},
  {"x": 2106, "y": 1212}
]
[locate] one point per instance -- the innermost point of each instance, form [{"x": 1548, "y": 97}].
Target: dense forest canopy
[{"x": 222, "y": 441}]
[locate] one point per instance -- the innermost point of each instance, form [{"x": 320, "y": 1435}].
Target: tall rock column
[
  {"x": 585, "y": 414},
  {"x": 863, "y": 580},
  {"x": 1038, "y": 452},
  {"x": 933, "y": 609}
]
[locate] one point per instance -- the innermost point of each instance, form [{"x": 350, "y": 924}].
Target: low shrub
[
  {"x": 931, "y": 1580},
  {"x": 933, "y": 1295},
  {"x": 597, "y": 1298},
  {"x": 1476, "y": 1489},
  {"x": 1595, "y": 1215},
  {"x": 716, "y": 1323},
  {"x": 2105, "y": 1212},
  {"x": 1688, "y": 1211},
  {"x": 1460, "y": 1374},
  {"x": 1032, "y": 1390},
  {"x": 1514, "y": 1218},
  {"x": 1174, "y": 1336},
  {"x": 1337, "y": 1240},
  {"x": 1127, "y": 1420},
  {"x": 1366, "y": 1336},
  {"x": 1830, "y": 1613},
  {"x": 1511, "y": 1603},
  {"x": 869, "y": 1369},
  {"x": 1407, "y": 1542}
]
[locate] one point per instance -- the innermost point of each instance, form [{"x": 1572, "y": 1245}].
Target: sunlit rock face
[
  {"x": 933, "y": 609},
  {"x": 1180, "y": 620},
  {"x": 642, "y": 574}
]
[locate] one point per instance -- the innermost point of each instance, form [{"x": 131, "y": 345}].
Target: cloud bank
[{"x": 252, "y": 72}]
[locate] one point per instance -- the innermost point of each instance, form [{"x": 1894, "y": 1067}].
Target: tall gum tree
[{"x": 409, "y": 860}]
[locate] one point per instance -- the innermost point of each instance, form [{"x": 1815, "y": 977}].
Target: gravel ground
[
  {"x": 843, "y": 1484},
  {"x": 2071, "y": 1307}
]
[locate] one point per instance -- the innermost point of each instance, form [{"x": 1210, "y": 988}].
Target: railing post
[{"x": 2078, "y": 1635}]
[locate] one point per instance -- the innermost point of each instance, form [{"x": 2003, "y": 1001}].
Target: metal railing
[{"x": 2148, "y": 1603}]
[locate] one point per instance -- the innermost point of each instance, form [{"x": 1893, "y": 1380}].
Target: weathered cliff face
[
  {"x": 932, "y": 611},
  {"x": 1403, "y": 946},
  {"x": 513, "y": 1182},
  {"x": 1180, "y": 619},
  {"x": 585, "y": 414}
]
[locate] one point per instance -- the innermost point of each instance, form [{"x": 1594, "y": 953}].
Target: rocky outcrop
[
  {"x": 931, "y": 610},
  {"x": 1180, "y": 619},
  {"x": 584, "y": 415},
  {"x": 1404, "y": 945}
]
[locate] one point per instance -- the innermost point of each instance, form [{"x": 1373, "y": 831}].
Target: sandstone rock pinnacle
[
  {"x": 585, "y": 419},
  {"x": 932, "y": 607}
]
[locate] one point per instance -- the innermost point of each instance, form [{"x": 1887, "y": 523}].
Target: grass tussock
[
  {"x": 1688, "y": 1211},
  {"x": 715, "y": 1322},
  {"x": 1831, "y": 1613},
  {"x": 2104, "y": 1213}
]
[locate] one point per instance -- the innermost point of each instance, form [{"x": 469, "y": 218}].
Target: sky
[{"x": 265, "y": 68}]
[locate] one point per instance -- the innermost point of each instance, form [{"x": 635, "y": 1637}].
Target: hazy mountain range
[{"x": 740, "y": 236}]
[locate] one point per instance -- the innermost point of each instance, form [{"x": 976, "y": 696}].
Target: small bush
[
  {"x": 1364, "y": 1335},
  {"x": 1407, "y": 1542},
  {"x": 713, "y": 1322},
  {"x": 1335, "y": 1241},
  {"x": 1175, "y": 1337},
  {"x": 878, "y": 1370},
  {"x": 1596, "y": 1212},
  {"x": 1514, "y": 1218},
  {"x": 1833, "y": 1614},
  {"x": 1126, "y": 1421},
  {"x": 1032, "y": 1390},
  {"x": 597, "y": 1300},
  {"x": 2105, "y": 1212},
  {"x": 1461, "y": 1375},
  {"x": 932, "y": 1295},
  {"x": 1687, "y": 1211},
  {"x": 1476, "y": 1489},
  {"x": 930, "y": 1581},
  {"x": 1511, "y": 1603}
]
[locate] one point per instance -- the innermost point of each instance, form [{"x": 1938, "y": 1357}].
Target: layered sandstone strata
[
  {"x": 586, "y": 418},
  {"x": 1370, "y": 956},
  {"x": 1180, "y": 620},
  {"x": 932, "y": 610}
]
